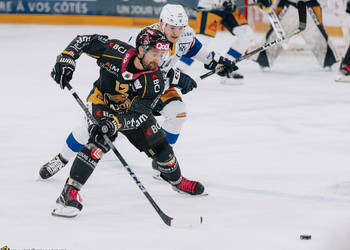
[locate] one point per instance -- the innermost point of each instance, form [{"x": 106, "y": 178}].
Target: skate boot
[
  {"x": 52, "y": 167},
  {"x": 69, "y": 203},
  {"x": 188, "y": 187},
  {"x": 345, "y": 69}
]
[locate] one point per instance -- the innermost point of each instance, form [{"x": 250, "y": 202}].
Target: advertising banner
[
  {"x": 124, "y": 8},
  {"x": 142, "y": 8},
  {"x": 71, "y": 7}
]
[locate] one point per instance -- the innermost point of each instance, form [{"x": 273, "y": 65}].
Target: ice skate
[
  {"x": 344, "y": 74},
  {"x": 185, "y": 186},
  {"x": 52, "y": 167},
  {"x": 69, "y": 203}
]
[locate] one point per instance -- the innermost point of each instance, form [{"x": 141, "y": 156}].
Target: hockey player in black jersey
[
  {"x": 344, "y": 74},
  {"x": 121, "y": 100}
]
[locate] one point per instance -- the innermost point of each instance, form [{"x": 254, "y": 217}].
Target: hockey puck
[{"x": 305, "y": 237}]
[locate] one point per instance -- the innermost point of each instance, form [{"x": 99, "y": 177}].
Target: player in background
[
  {"x": 344, "y": 74},
  {"x": 211, "y": 14},
  {"x": 174, "y": 24},
  {"x": 314, "y": 35},
  {"x": 122, "y": 99}
]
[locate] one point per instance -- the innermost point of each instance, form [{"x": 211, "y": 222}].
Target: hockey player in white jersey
[
  {"x": 174, "y": 24},
  {"x": 314, "y": 35},
  {"x": 344, "y": 71},
  {"x": 211, "y": 13}
]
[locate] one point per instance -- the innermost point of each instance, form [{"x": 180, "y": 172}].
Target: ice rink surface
[{"x": 273, "y": 154}]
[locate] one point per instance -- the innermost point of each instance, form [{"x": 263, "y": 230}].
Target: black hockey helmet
[{"x": 151, "y": 38}]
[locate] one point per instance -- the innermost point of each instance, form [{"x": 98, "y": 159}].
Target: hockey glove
[
  {"x": 264, "y": 3},
  {"x": 228, "y": 6},
  {"x": 181, "y": 80},
  {"x": 107, "y": 126},
  {"x": 348, "y": 7},
  {"x": 227, "y": 65},
  {"x": 63, "y": 70}
]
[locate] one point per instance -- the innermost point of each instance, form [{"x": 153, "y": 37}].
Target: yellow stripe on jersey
[
  {"x": 93, "y": 56},
  {"x": 144, "y": 91},
  {"x": 115, "y": 57}
]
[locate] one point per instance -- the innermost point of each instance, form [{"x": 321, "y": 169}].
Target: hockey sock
[
  {"x": 172, "y": 138},
  {"x": 85, "y": 163},
  {"x": 167, "y": 163},
  {"x": 73, "y": 144}
]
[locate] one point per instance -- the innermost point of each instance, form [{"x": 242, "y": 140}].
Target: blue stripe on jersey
[
  {"x": 172, "y": 138},
  {"x": 186, "y": 60},
  {"x": 73, "y": 144},
  {"x": 194, "y": 49},
  {"x": 234, "y": 53}
]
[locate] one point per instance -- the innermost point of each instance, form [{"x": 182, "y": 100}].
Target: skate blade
[
  {"x": 156, "y": 176},
  {"x": 205, "y": 193},
  {"x": 66, "y": 212},
  {"x": 342, "y": 78}
]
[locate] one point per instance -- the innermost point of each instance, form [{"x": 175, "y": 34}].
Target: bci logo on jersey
[
  {"x": 119, "y": 48},
  {"x": 156, "y": 85},
  {"x": 153, "y": 129}
]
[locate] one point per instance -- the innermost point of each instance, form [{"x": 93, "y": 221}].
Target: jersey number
[{"x": 122, "y": 88}]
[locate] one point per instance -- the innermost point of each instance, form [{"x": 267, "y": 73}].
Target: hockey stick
[
  {"x": 276, "y": 24},
  {"x": 183, "y": 223},
  {"x": 302, "y": 25},
  {"x": 237, "y": 6}
]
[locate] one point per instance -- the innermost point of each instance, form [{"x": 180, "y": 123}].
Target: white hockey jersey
[{"x": 188, "y": 45}]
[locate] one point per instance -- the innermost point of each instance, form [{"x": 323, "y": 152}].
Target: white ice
[{"x": 273, "y": 154}]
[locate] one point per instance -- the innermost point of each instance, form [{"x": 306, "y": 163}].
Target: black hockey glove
[
  {"x": 63, "y": 70},
  {"x": 348, "y": 7},
  {"x": 228, "y": 65},
  {"x": 181, "y": 80},
  {"x": 264, "y": 3},
  {"x": 107, "y": 126},
  {"x": 228, "y": 6}
]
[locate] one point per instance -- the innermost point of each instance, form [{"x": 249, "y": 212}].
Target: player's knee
[
  {"x": 175, "y": 114},
  {"x": 176, "y": 111}
]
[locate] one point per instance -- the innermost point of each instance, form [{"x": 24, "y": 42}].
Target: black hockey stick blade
[{"x": 302, "y": 15}]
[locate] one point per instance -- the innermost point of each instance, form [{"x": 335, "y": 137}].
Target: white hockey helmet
[{"x": 174, "y": 14}]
